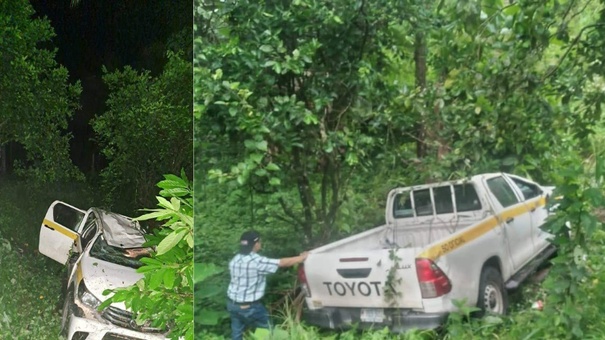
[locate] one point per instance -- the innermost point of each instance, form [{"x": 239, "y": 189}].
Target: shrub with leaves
[
  {"x": 165, "y": 294},
  {"x": 145, "y": 131}
]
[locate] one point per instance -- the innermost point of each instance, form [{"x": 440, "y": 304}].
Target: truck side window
[
  {"x": 443, "y": 200},
  {"x": 422, "y": 202},
  {"x": 403, "y": 206},
  {"x": 466, "y": 198},
  {"x": 529, "y": 190},
  {"x": 503, "y": 192},
  {"x": 66, "y": 216}
]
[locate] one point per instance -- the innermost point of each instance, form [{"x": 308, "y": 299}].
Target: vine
[{"x": 391, "y": 294}]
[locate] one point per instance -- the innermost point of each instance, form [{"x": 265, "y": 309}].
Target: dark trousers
[{"x": 253, "y": 315}]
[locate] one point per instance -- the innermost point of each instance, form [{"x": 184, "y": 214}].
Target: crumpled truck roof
[{"x": 120, "y": 231}]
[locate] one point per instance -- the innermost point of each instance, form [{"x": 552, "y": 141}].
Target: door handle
[
  {"x": 509, "y": 220},
  {"x": 51, "y": 228}
]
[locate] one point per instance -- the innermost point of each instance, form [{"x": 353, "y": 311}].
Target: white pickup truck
[
  {"x": 467, "y": 240},
  {"x": 102, "y": 251}
]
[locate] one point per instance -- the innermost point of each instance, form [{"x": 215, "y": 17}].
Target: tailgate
[{"x": 357, "y": 279}]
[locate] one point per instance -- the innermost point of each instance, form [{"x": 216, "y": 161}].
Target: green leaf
[
  {"x": 189, "y": 239},
  {"x": 261, "y": 334},
  {"x": 172, "y": 182},
  {"x": 202, "y": 271},
  {"x": 250, "y": 144},
  {"x": 105, "y": 304},
  {"x": 209, "y": 291},
  {"x": 152, "y": 261},
  {"x": 208, "y": 317},
  {"x": 176, "y": 192},
  {"x": 169, "y": 276},
  {"x": 170, "y": 241},
  {"x": 176, "y": 203},
  {"x": 257, "y": 157},
  {"x": 164, "y": 202},
  {"x": 160, "y": 214},
  {"x": 156, "y": 279},
  {"x": 512, "y": 10},
  {"x": 262, "y": 145},
  {"x": 272, "y": 167},
  {"x": 266, "y": 48}
]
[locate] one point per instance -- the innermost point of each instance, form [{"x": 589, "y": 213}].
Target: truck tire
[
  {"x": 62, "y": 295},
  {"x": 65, "y": 313},
  {"x": 69, "y": 309},
  {"x": 493, "y": 297}
]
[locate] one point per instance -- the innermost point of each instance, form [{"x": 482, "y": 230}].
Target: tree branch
[
  {"x": 289, "y": 213},
  {"x": 575, "y": 41}
]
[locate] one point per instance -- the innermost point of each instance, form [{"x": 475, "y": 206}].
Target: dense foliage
[
  {"x": 36, "y": 98},
  {"x": 165, "y": 294},
  {"x": 309, "y": 111},
  {"x": 147, "y": 128}
]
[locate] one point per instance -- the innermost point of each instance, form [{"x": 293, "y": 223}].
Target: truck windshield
[{"x": 103, "y": 251}]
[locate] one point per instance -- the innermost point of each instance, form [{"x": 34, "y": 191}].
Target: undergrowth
[{"x": 30, "y": 283}]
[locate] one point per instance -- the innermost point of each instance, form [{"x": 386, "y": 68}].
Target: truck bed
[{"x": 418, "y": 235}]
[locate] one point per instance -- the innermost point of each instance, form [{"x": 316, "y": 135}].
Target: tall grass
[{"x": 30, "y": 283}]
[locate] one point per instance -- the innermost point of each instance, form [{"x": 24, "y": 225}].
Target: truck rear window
[{"x": 464, "y": 194}]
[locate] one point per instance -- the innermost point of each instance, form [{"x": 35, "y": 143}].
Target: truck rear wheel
[{"x": 493, "y": 298}]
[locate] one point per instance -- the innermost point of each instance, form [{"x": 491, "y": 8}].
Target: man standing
[{"x": 248, "y": 281}]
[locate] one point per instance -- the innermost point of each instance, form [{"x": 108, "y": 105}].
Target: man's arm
[{"x": 290, "y": 261}]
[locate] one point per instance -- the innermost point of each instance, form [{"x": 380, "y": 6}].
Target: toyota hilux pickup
[
  {"x": 101, "y": 250},
  {"x": 469, "y": 240}
]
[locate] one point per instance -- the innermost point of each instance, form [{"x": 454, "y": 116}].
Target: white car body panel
[
  {"x": 57, "y": 239},
  {"x": 99, "y": 275}
]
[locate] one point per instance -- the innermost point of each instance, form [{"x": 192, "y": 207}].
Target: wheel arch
[{"x": 493, "y": 262}]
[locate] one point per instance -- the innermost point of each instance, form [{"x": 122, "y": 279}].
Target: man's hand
[
  {"x": 136, "y": 252},
  {"x": 290, "y": 261},
  {"x": 304, "y": 255}
]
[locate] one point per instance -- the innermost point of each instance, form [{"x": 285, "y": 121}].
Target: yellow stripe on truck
[
  {"x": 454, "y": 242},
  {"x": 61, "y": 229}
]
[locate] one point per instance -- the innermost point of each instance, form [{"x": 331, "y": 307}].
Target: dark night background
[{"x": 110, "y": 33}]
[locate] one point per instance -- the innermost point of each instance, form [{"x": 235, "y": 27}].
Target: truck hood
[{"x": 99, "y": 275}]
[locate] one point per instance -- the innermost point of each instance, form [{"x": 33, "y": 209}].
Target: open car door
[{"x": 59, "y": 230}]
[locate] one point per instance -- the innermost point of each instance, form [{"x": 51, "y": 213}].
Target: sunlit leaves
[{"x": 165, "y": 294}]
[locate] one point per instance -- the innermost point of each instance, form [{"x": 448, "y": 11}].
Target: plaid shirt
[{"x": 248, "y": 276}]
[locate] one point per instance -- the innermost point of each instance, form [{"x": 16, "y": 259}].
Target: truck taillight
[
  {"x": 302, "y": 278},
  {"x": 433, "y": 282}
]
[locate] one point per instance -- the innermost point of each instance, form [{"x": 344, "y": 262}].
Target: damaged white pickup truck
[
  {"x": 101, "y": 251},
  {"x": 465, "y": 240}
]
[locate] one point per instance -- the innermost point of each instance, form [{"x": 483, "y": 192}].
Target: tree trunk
[{"x": 420, "y": 73}]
